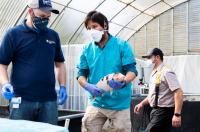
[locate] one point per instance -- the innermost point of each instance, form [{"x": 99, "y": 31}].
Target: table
[{"x": 7, "y": 125}]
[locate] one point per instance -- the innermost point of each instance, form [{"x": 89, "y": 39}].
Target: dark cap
[
  {"x": 42, "y": 5},
  {"x": 154, "y": 52}
]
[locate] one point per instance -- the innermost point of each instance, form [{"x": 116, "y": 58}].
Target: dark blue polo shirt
[{"x": 33, "y": 55}]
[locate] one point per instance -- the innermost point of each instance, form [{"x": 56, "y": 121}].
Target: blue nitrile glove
[
  {"x": 93, "y": 89},
  {"x": 7, "y": 91},
  {"x": 62, "y": 95},
  {"x": 116, "y": 85}
]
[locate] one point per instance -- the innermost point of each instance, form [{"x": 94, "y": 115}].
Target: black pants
[{"x": 160, "y": 120}]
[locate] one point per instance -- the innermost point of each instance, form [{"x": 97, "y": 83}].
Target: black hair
[
  {"x": 97, "y": 17},
  {"x": 157, "y": 51},
  {"x": 161, "y": 57}
]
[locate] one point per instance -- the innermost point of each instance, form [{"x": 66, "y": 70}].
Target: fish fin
[
  {"x": 111, "y": 91},
  {"x": 93, "y": 98}
]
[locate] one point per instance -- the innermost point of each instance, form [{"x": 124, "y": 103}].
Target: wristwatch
[{"x": 177, "y": 114}]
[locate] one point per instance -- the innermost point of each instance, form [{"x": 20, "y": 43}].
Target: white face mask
[
  {"x": 96, "y": 35},
  {"x": 149, "y": 63}
]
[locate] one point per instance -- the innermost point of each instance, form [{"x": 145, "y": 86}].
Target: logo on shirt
[{"x": 50, "y": 41}]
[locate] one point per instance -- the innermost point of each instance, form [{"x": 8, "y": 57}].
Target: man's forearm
[
  {"x": 3, "y": 74},
  {"x": 82, "y": 81},
  {"x": 130, "y": 76},
  {"x": 178, "y": 97},
  {"x": 61, "y": 73},
  {"x": 145, "y": 102}
]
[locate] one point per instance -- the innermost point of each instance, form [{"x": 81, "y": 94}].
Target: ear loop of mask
[
  {"x": 32, "y": 17},
  {"x": 104, "y": 30},
  {"x": 105, "y": 25}
]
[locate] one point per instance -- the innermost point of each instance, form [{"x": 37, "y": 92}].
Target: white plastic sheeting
[
  {"x": 186, "y": 68},
  {"x": 77, "y": 98},
  {"x": 175, "y": 31}
]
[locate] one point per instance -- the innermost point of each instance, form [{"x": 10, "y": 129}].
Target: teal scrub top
[{"x": 103, "y": 61}]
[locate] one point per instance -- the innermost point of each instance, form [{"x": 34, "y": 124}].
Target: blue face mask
[{"x": 40, "y": 23}]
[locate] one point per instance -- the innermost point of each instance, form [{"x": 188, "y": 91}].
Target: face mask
[
  {"x": 40, "y": 23},
  {"x": 96, "y": 35},
  {"x": 149, "y": 63}
]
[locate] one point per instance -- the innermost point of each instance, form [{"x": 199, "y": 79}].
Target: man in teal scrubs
[{"x": 104, "y": 55}]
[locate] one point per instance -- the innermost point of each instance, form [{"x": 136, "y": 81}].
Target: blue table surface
[{"x": 7, "y": 125}]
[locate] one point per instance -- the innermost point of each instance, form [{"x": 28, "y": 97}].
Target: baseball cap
[
  {"x": 43, "y": 5},
  {"x": 155, "y": 52}
]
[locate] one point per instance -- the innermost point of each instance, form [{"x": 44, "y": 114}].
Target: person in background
[
  {"x": 104, "y": 55},
  {"x": 33, "y": 49},
  {"x": 165, "y": 96}
]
